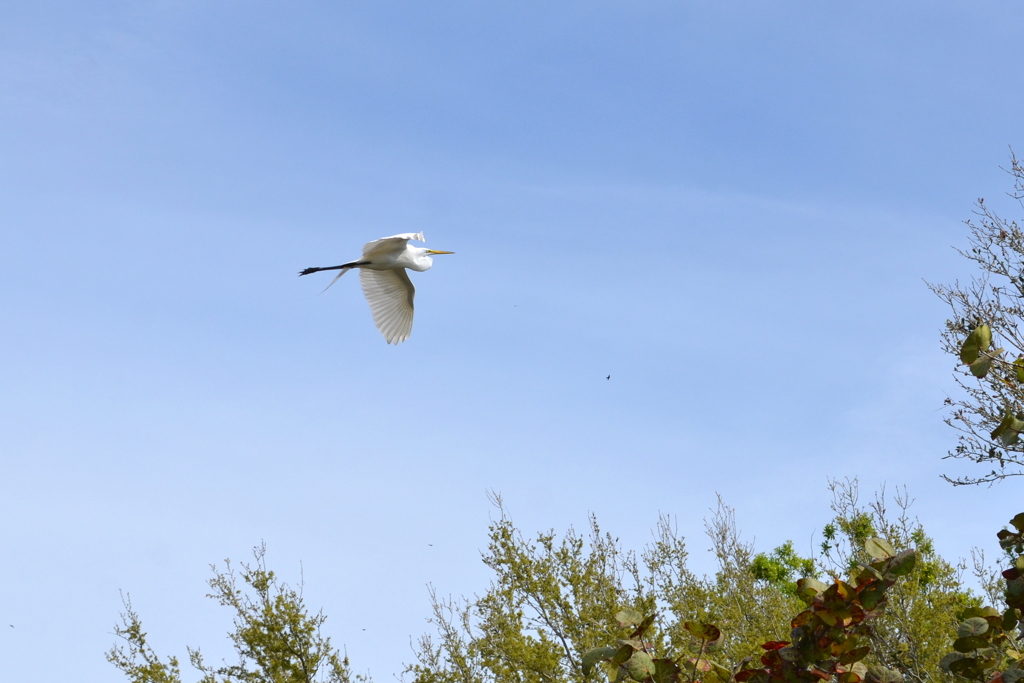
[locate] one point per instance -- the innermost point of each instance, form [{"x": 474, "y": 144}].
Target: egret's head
[{"x": 422, "y": 259}]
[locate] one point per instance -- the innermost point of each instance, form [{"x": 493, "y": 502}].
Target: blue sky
[{"x": 729, "y": 208}]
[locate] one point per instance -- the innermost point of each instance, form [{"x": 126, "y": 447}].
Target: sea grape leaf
[
  {"x": 666, "y": 671},
  {"x": 969, "y": 643},
  {"x": 629, "y": 617},
  {"x": 902, "y": 563},
  {"x": 974, "y": 626},
  {"x": 977, "y": 341},
  {"x": 643, "y": 626},
  {"x": 880, "y": 674},
  {"x": 640, "y": 666},
  {"x": 807, "y": 588},
  {"x": 708, "y": 632},
  {"x": 598, "y": 654},
  {"x": 622, "y": 655}
]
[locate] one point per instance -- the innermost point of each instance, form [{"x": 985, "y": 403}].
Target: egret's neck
[{"x": 417, "y": 259}]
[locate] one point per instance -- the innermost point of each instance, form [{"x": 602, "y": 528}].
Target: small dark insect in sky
[{"x": 608, "y": 377}]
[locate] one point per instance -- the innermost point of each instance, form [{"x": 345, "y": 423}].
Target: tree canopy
[
  {"x": 276, "y": 638},
  {"x": 984, "y": 331},
  {"x": 553, "y": 597},
  {"x": 875, "y": 604}
]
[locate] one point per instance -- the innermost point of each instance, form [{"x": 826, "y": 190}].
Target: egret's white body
[{"x": 386, "y": 285}]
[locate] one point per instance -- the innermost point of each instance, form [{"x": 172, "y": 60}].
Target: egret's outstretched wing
[
  {"x": 393, "y": 244},
  {"x": 390, "y": 294}
]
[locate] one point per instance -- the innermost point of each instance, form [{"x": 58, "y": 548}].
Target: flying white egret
[{"x": 386, "y": 285}]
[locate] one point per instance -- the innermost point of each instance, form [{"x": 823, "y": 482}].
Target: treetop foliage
[
  {"x": 275, "y": 637},
  {"x": 989, "y": 647},
  {"x": 556, "y": 605},
  {"x": 985, "y": 332},
  {"x": 878, "y": 605}
]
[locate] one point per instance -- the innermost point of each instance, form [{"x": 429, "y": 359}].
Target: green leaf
[
  {"x": 643, "y": 626},
  {"x": 1003, "y": 425},
  {"x": 990, "y": 614},
  {"x": 979, "y": 340},
  {"x": 808, "y": 588},
  {"x": 1013, "y": 433},
  {"x": 980, "y": 367},
  {"x": 975, "y": 626},
  {"x": 640, "y": 666},
  {"x": 1015, "y": 591},
  {"x": 871, "y": 571},
  {"x": 598, "y": 654},
  {"x": 983, "y": 612},
  {"x": 617, "y": 673},
  {"x": 1013, "y": 675},
  {"x": 903, "y": 563},
  {"x": 666, "y": 671},
  {"x": 722, "y": 669},
  {"x": 970, "y": 643},
  {"x": 628, "y": 617},
  {"x": 967, "y": 667},
  {"x": 879, "y": 674},
  {"x": 1018, "y": 366},
  {"x": 879, "y": 548},
  {"x": 715, "y": 643},
  {"x": 1009, "y": 429},
  {"x": 1018, "y": 522},
  {"x": 622, "y": 655},
  {"x": 708, "y": 632},
  {"x": 948, "y": 660},
  {"x": 701, "y": 664},
  {"x": 874, "y": 595}
]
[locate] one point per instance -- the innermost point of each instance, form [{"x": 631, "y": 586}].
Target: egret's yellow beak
[{"x": 434, "y": 251}]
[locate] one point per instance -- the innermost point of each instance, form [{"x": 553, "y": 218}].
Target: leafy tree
[
  {"x": 277, "y": 640},
  {"x": 136, "y": 658},
  {"x": 989, "y": 308},
  {"x": 554, "y": 599},
  {"x": 827, "y": 640},
  {"x": 990, "y": 644},
  {"x": 782, "y": 567},
  {"x": 557, "y": 604},
  {"x": 920, "y": 620}
]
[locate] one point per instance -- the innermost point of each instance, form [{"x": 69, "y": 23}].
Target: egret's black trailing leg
[{"x": 353, "y": 264}]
